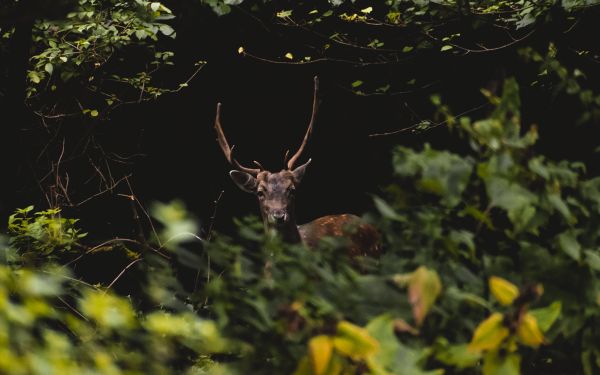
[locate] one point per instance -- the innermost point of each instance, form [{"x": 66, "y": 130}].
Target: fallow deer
[{"x": 276, "y": 194}]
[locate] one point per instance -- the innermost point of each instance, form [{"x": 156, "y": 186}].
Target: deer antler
[
  {"x": 228, "y": 151},
  {"x": 290, "y": 163}
]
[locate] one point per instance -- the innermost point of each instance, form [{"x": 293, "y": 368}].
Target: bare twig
[
  {"x": 420, "y": 123},
  {"x": 121, "y": 274}
]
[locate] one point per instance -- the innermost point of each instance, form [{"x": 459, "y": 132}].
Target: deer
[{"x": 276, "y": 192}]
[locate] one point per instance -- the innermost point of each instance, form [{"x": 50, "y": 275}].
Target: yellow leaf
[
  {"x": 528, "y": 331},
  {"x": 289, "y": 56},
  {"x": 320, "y": 349},
  {"x": 367, "y": 10},
  {"x": 504, "y": 291},
  {"x": 423, "y": 289},
  {"x": 241, "y": 50},
  {"x": 489, "y": 334},
  {"x": 354, "y": 341}
]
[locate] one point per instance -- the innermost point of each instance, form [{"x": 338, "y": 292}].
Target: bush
[{"x": 491, "y": 265}]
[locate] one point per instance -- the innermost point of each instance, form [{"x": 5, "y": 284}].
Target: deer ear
[
  {"x": 299, "y": 172},
  {"x": 244, "y": 181}
]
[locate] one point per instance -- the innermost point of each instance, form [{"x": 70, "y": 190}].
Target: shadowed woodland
[{"x": 463, "y": 133}]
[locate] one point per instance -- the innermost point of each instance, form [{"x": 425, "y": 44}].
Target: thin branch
[
  {"x": 403, "y": 130},
  {"x": 121, "y": 274}
]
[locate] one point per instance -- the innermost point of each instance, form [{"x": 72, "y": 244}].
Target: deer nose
[{"x": 279, "y": 216}]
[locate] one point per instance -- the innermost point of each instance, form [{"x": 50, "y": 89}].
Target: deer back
[{"x": 363, "y": 238}]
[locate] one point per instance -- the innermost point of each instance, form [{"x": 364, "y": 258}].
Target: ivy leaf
[
  {"x": 504, "y": 291},
  {"x": 489, "y": 334}
]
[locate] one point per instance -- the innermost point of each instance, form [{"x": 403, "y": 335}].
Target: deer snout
[{"x": 278, "y": 216}]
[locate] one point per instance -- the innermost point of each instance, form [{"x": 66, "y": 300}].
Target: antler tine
[
  {"x": 228, "y": 151},
  {"x": 293, "y": 159}
]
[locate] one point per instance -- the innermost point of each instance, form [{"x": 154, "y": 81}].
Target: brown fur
[{"x": 363, "y": 238}]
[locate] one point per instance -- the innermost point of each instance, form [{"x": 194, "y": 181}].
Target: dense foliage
[
  {"x": 491, "y": 260},
  {"x": 491, "y": 264}
]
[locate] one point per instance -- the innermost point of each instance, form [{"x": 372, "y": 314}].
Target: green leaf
[
  {"x": 495, "y": 363},
  {"x": 49, "y": 68},
  {"x": 592, "y": 258},
  {"x": 166, "y": 30},
  {"x": 357, "y": 83},
  {"x": 393, "y": 357},
  {"x": 546, "y": 316},
  {"x": 569, "y": 244},
  {"x": 458, "y": 356},
  {"x": 386, "y": 210},
  {"x": 446, "y": 48},
  {"x": 284, "y": 13}
]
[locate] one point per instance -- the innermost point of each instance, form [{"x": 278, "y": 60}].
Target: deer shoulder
[{"x": 362, "y": 238}]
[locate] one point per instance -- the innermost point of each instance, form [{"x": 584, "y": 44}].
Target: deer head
[{"x": 275, "y": 190}]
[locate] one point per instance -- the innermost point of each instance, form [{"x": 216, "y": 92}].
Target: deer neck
[{"x": 288, "y": 231}]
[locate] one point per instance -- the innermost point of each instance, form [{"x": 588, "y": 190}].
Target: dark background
[{"x": 169, "y": 145}]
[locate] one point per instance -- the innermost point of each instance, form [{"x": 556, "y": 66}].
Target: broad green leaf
[
  {"x": 593, "y": 259},
  {"x": 546, "y": 316},
  {"x": 320, "y": 349},
  {"x": 504, "y": 291},
  {"x": 393, "y": 357},
  {"x": 386, "y": 210},
  {"x": 567, "y": 241},
  {"x": 459, "y": 356},
  {"x": 495, "y": 363},
  {"x": 528, "y": 331},
  {"x": 489, "y": 334},
  {"x": 49, "y": 68},
  {"x": 423, "y": 289}
]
